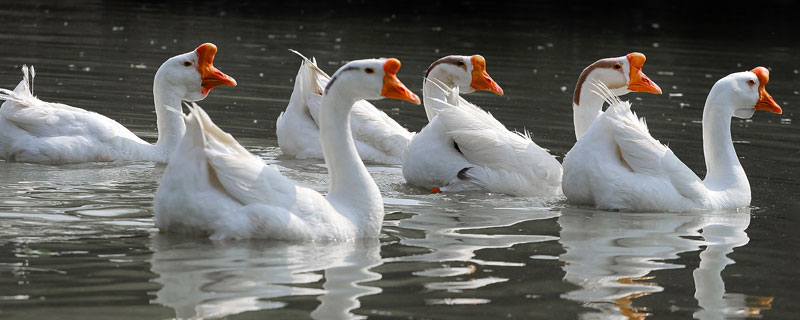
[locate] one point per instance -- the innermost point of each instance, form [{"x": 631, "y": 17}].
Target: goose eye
[
  {"x": 617, "y": 66},
  {"x": 187, "y": 63},
  {"x": 460, "y": 63},
  {"x": 751, "y": 82},
  {"x": 369, "y": 70}
]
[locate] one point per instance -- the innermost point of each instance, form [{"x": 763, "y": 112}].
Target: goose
[
  {"x": 215, "y": 188},
  {"x": 378, "y": 137},
  {"x": 620, "y": 74},
  {"x": 32, "y": 130},
  {"x": 466, "y": 148},
  {"x": 617, "y": 164}
]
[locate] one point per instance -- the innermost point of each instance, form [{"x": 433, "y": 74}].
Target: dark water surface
[{"x": 78, "y": 241}]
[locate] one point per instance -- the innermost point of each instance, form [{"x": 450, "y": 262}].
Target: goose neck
[
  {"x": 586, "y": 112},
  {"x": 431, "y": 90},
  {"x": 170, "y": 125},
  {"x": 722, "y": 164},
  {"x": 350, "y": 184}
]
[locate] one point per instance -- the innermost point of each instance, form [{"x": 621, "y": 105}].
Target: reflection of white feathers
[
  {"x": 202, "y": 279},
  {"x": 611, "y": 256},
  {"x": 453, "y": 238},
  {"x": 488, "y": 156},
  {"x": 378, "y": 137}
]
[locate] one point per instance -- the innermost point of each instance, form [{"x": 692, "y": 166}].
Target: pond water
[{"x": 78, "y": 241}]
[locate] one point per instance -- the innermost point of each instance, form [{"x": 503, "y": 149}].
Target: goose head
[
  {"x": 743, "y": 93},
  {"x": 468, "y": 73},
  {"x": 621, "y": 74},
  {"x": 192, "y": 75},
  {"x": 370, "y": 79}
]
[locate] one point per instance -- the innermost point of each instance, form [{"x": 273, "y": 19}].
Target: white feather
[{"x": 378, "y": 137}]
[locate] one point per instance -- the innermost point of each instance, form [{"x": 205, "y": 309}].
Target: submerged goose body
[
  {"x": 213, "y": 187},
  {"x": 378, "y": 137},
  {"x": 617, "y": 164},
  {"x": 32, "y": 130}
]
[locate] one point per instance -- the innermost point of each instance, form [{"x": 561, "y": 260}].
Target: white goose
[
  {"x": 618, "y": 165},
  {"x": 32, "y": 130},
  {"x": 213, "y": 187},
  {"x": 620, "y": 74},
  {"x": 378, "y": 137},
  {"x": 465, "y": 148}
]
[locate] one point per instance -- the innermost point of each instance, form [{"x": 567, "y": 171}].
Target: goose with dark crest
[{"x": 466, "y": 148}]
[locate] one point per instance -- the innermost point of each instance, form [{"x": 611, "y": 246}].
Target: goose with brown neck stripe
[
  {"x": 213, "y": 187},
  {"x": 466, "y": 148},
  {"x": 621, "y": 74},
  {"x": 617, "y": 164}
]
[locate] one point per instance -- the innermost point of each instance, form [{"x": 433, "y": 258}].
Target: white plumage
[
  {"x": 617, "y": 164},
  {"x": 488, "y": 156},
  {"x": 378, "y": 137},
  {"x": 32, "y": 130},
  {"x": 213, "y": 187}
]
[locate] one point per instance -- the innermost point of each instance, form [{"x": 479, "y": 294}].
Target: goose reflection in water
[
  {"x": 453, "y": 235},
  {"x": 611, "y": 255},
  {"x": 212, "y": 279}
]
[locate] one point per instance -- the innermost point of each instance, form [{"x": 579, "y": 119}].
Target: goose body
[
  {"x": 378, "y": 137},
  {"x": 213, "y": 187},
  {"x": 617, "y": 164},
  {"x": 32, "y": 130},
  {"x": 466, "y": 148}
]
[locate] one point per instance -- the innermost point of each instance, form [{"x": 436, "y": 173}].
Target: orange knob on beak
[
  {"x": 481, "y": 79},
  {"x": 639, "y": 81},
  {"x": 765, "y": 100},
  {"x": 210, "y": 75},
  {"x": 392, "y": 87}
]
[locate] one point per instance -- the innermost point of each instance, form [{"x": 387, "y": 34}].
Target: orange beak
[
  {"x": 210, "y": 75},
  {"x": 392, "y": 87},
  {"x": 639, "y": 81},
  {"x": 481, "y": 79},
  {"x": 765, "y": 100}
]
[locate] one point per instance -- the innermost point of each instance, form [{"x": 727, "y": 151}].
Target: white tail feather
[
  {"x": 23, "y": 93},
  {"x": 311, "y": 63}
]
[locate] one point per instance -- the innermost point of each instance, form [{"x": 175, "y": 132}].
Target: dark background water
[{"x": 78, "y": 241}]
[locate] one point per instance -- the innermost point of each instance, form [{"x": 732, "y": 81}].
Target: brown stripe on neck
[
  {"x": 448, "y": 59},
  {"x": 602, "y": 63},
  {"x": 330, "y": 82}
]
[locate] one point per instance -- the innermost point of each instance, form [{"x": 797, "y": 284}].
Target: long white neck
[
  {"x": 170, "y": 125},
  {"x": 432, "y": 91},
  {"x": 587, "y": 105},
  {"x": 724, "y": 171},
  {"x": 583, "y": 115},
  {"x": 351, "y": 188}
]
